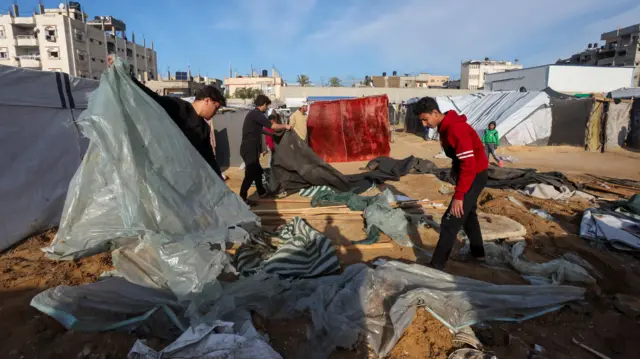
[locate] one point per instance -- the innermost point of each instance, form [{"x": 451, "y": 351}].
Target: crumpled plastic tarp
[
  {"x": 114, "y": 303},
  {"x": 141, "y": 177},
  {"x": 546, "y": 191},
  {"x": 621, "y": 230},
  {"x": 208, "y": 341},
  {"x": 568, "y": 268},
  {"x": 379, "y": 303},
  {"x": 142, "y": 185}
]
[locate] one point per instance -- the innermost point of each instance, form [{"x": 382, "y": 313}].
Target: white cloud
[{"x": 440, "y": 34}]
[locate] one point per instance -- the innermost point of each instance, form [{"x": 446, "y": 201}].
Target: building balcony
[
  {"x": 30, "y": 61},
  {"x": 26, "y": 40},
  {"x": 24, "y": 21}
]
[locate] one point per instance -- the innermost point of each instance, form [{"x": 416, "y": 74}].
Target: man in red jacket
[{"x": 462, "y": 144}]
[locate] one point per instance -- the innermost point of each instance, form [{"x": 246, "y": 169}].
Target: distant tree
[
  {"x": 335, "y": 82},
  {"x": 303, "y": 80},
  {"x": 241, "y": 93}
]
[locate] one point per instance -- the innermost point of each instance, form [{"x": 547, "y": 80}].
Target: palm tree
[
  {"x": 335, "y": 82},
  {"x": 303, "y": 80}
]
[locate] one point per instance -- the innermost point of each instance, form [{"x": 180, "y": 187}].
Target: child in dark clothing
[{"x": 491, "y": 141}]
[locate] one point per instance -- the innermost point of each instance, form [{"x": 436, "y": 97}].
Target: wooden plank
[
  {"x": 624, "y": 193},
  {"x": 345, "y": 248}
]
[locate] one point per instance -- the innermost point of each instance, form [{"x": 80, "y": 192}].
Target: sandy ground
[{"x": 596, "y": 322}]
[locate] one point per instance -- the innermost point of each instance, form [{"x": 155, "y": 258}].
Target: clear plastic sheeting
[
  {"x": 206, "y": 341},
  {"x": 381, "y": 302},
  {"x": 569, "y": 268},
  {"x": 185, "y": 267},
  {"x": 142, "y": 177},
  {"x": 111, "y": 304}
]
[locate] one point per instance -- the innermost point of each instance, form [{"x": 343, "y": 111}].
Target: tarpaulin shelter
[
  {"x": 570, "y": 118},
  {"x": 616, "y": 127},
  {"x": 40, "y": 147},
  {"x": 522, "y": 118},
  {"x": 633, "y": 138},
  {"x": 350, "y": 129}
]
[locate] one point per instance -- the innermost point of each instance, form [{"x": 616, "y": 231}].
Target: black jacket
[{"x": 194, "y": 127}]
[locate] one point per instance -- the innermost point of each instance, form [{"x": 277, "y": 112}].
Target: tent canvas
[
  {"x": 40, "y": 147},
  {"x": 350, "y": 129},
  {"x": 522, "y": 118},
  {"x": 617, "y": 124},
  {"x": 570, "y": 117}
]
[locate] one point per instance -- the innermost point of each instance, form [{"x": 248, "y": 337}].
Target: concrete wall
[
  {"x": 394, "y": 94},
  {"x": 532, "y": 79},
  {"x": 582, "y": 79}
]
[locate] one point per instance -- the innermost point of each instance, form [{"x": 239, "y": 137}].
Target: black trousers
[
  {"x": 252, "y": 174},
  {"x": 451, "y": 225}
]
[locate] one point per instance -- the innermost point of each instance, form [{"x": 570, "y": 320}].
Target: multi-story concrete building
[
  {"x": 408, "y": 81},
  {"x": 183, "y": 85},
  {"x": 473, "y": 73},
  {"x": 267, "y": 84},
  {"x": 621, "y": 49},
  {"x": 64, "y": 40}
]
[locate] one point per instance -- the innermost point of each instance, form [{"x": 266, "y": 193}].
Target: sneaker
[{"x": 500, "y": 164}]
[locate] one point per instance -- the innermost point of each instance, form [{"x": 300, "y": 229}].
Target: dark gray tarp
[
  {"x": 633, "y": 139},
  {"x": 295, "y": 166},
  {"x": 228, "y": 127},
  {"x": 569, "y": 121}
]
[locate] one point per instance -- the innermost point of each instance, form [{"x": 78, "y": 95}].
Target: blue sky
[{"x": 354, "y": 38}]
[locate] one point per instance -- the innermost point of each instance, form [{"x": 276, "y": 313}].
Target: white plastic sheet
[
  {"x": 215, "y": 341},
  {"x": 522, "y": 118},
  {"x": 622, "y": 232},
  {"x": 381, "y": 302},
  {"x": 141, "y": 177}
]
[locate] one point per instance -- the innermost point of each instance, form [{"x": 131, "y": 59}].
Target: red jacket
[
  {"x": 269, "y": 139},
  {"x": 462, "y": 144}
]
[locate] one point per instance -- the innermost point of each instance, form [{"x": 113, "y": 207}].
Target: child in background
[{"x": 491, "y": 141}]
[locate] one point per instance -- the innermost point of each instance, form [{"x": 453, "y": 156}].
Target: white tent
[
  {"x": 522, "y": 118},
  {"x": 40, "y": 147}
]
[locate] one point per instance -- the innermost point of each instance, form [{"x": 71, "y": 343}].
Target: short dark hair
[
  {"x": 212, "y": 93},
  {"x": 261, "y": 100},
  {"x": 273, "y": 117},
  {"x": 426, "y": 105}
]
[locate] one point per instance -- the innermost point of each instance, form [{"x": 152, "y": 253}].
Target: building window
[
  {"x": 93, "y": 59},
  {"x": 82, "y": 55},
  {"x": 2, "y": 35},
  {"x": 99, "y": 42},
  {"x": 4, "y": 53},
  {"x": 102, "y": 61},
  {"x": 51, "y": 33},
  {"x": 129, "y": 53},
  {"x": 53, "y": 53},
  {"x": 95, "y": 77},
  {"x": 79, "y": 35},
  {"x": 91, "y": 40},
  {"x": 111, "y": 47}
]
